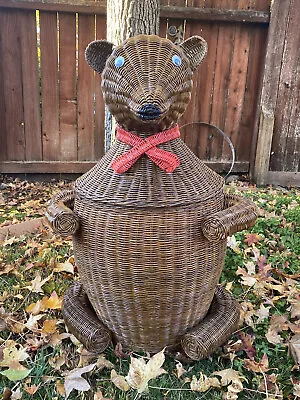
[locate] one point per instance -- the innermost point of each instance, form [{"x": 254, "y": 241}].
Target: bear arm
[
  {"x": 60, "y": 215},
  {"x": 239, "y": 214}
]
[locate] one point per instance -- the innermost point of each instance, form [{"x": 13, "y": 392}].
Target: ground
[{"x": 40, "y": 360}]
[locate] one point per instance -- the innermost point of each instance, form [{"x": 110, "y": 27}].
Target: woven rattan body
[
  {"x": 150, "y": 220},
  {"x": 150, "y": 274}
]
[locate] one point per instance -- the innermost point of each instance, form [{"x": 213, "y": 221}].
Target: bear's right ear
[{"x": 97, "y": 53}]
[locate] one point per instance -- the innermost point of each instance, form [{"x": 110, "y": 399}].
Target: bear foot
[
  {"x": 82, "y": 321},
  {"x": 220, "y": 322}
]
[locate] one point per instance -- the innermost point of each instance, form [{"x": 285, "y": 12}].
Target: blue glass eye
[
  {"x": 119, "y": 61},
  {"x": 176, "y": 60}
]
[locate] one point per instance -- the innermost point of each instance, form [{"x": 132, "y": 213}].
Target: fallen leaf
[
  {"x": 204, "y": 383},
  {"x": 53, "y": 302},
  {"x": 64, "y": 267},
  {"x": 119, "y": 381},
  {"x": 229, "y": 375},
  {"x": 49, "y": 326},
  {"x": 247, "y": 344},
  {"x": 31, "y": 324},
  {"x": 252, "y": 238},
  {"x": 294, "y": 348},
  {"x": 296, "y": 391},
  {"x": 74, "y": 380},
  {"x": 233, "y": 244},
  {"x": 37, "y": 283},
  {"x": 140, "y": 372},
  {"x": 16, "y": 371},
  {"x": 277, "y": 325},
  {"x": 31, "y": 389},
  {"x": 60, "y": 388},
  {"x": 261, "y": 366},
  {"x": 262, "y": 313},
  {"x": 179, "y": 370},
  {"x": 102, "y": 363},
  {"x": 16, "y": 395},
  {"x": 246, "y": 279},
  {"x": 57, "y": 362},
  {"x": 13, "y": 352}
]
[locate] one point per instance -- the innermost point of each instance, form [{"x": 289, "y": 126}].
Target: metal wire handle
[{"x": 224, "y": 136}]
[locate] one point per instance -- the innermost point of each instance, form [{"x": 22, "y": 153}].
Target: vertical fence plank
[
  {"x": 3, "y": 133},
  {"x": 67, "y": 87},
  {"x": 279, "y": 18},
  {"x": 30, "y": 77},
  {"x": 13, "y": 85},
  {"x": 258, "y": 38},
  {"x": 220, "y": 89},
  {"x": 100, "y": 106},
  {"x": 86, "y": 34},
  {"x": 50, "y": 98},
  {"x": 285, "y": 99},
  {"x": 236, "y": 88}
]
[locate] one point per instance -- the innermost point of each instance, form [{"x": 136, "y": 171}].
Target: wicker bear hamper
[{"x": 150, "y": 220}]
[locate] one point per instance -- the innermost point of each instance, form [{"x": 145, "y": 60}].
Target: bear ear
[
  {"x": 97, "y": 53},
  {"x": 195, "y": 48}
]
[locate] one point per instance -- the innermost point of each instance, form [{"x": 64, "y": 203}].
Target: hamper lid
[{"x": 145, "y": 184}]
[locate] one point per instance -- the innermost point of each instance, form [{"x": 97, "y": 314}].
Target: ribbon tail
[
  {"x": 123, "y": 163},
  {"x": 164, "y": 159}
]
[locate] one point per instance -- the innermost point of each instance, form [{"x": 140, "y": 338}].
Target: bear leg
[
  {"x": 82, "y": 321},
  {"x": 220, "y": 322}
]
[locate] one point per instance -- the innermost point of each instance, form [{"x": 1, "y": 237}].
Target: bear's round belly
[{"x": 149, "y": 273}]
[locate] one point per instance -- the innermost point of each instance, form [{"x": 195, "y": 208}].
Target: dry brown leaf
[
  {"x": 252, "y": 238},
  {"x": 294, "y": 348},
  {"x": 229, "y": 375},
  {"x": 140, "y": 372},
  {"x": 32, "y": 322},
  {"x": 262, "y": 313},
  {"x": 102, "y": 363},
  {"x": 246, "y": 279},
  {"x": 74, "y": 380},
  {"x": 296, "y": 391},
  {"x": 37, "y": 283},
  {"x": 57, "y": 362},
  {"x": 277, "y": 325},
  {"x": 179, "y": 370},
  {"x": 31, "y": 389},
  {"x": 204, "y": 383},
  {"x": 60, "y": 388},
  {"x": 16, "y": 394},
  {"x": 119, "y": 381},
  {"x": 64, "y": 267},
  {"x": 49, "y": 326},
  {"x": 261, "y": 366},
  {"x": 53, "y": 302}
]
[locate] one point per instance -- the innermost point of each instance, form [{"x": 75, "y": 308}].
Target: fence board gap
[{"x": 50, "y": 94}]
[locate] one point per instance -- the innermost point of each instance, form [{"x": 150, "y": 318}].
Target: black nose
[{"x": 149, "y": 112}]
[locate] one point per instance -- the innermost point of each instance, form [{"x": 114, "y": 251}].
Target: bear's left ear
[
  {"x": 195, "y": 48},
  {"x": 97, "y": 53}
]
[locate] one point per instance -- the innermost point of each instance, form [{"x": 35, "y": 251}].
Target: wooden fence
[{"x": 52, "y": 111}]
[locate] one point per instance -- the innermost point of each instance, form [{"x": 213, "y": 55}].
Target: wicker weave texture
[
  {"x": 82, "y": 321},
  {"x": 220, "y": 322},
  {"x": 149, "y": 274}
]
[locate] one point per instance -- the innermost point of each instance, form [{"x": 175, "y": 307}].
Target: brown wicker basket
[{"x": 150, "y": 245}]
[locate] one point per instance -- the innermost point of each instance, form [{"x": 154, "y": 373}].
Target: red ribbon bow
[{"x": 164, "y": 159}]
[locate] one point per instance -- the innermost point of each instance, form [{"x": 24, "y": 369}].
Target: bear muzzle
[{"x": 149, "y": 112}]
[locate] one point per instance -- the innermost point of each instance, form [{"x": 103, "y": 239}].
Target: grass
[{"x": 278, "y": 247}]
